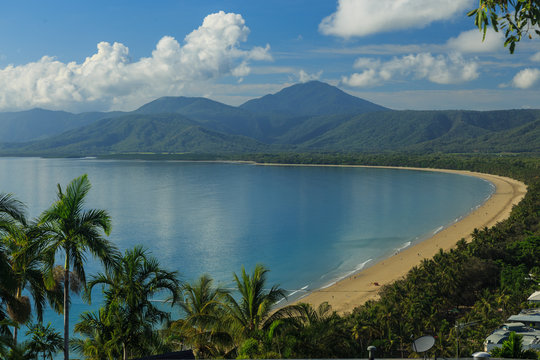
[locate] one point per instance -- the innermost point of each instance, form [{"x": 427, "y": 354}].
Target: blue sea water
[{"x": 309, "y": 225}]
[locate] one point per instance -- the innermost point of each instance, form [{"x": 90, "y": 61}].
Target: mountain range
[{"x": 307, "y": 117}]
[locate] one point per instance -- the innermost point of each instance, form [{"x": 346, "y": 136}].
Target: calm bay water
[{"x": 308, "y": 225}]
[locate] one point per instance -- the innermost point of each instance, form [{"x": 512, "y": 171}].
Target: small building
[
  {"x": 535, "y": 297},
  {"x": 529, "y": 317},
  {"x": 531, "y": 336}
]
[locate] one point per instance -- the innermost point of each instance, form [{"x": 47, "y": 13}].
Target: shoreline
[{"x": 364, "y": 285}]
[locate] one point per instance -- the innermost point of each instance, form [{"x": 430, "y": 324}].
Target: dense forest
[{"x": 483, "y": 281}]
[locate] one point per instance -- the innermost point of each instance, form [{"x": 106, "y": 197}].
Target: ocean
[{"x": 309, "y": 225}]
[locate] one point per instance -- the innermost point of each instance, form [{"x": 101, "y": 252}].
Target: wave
[
  {"x": 304, "y": 289},
  {"x": 294, "y": 292},
  {"x": 404, "y": 246},
  {"x": 358, "y": 268},
  {"x": 438, "y": 230}
]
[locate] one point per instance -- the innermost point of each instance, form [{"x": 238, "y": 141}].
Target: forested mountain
[
  {"x": 39, "y": 123},
  {"x": 428, "y": 131},
  {"x": 310, "y": 99},
  {"x": 139, "y": 132},
  {"x": 310, "y": 117},
  {"x": 210, "y": 114}
]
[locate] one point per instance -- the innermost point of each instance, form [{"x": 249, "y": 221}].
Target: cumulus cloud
[
  {"x": 471, "y": 41},
  {"x": 440, "y": 69},
  {"x": 110, "y": 80},
  {"x": 526, "y": 78},
  {"x": 365, "y": 17}
]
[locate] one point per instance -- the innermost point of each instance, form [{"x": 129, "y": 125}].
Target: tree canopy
[{"x": 517, "y": 18}]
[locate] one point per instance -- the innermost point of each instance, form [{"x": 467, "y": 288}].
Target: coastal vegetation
[{"x": 480, "y": 282}]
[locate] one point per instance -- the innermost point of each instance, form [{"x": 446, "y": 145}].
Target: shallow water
[{"x": 309, "y": 225}]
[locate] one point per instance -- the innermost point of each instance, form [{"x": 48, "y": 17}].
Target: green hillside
[
  {"x": 429, "y": 131},
  {"x": 143, "y": 133},
  {"x": 211, "y": 114}
]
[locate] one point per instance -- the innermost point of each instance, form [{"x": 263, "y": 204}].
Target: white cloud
[
  {"x": 450, "y": 69},
  {"x": 305, "y": 77},
  {"x": 536, "y": 57},
  {"x": 526, "y": 78},
  {"x": 471, "y": 41},
  {"x": 363, "y": 63},
  {"x": 110, "y": 80},
  {"x": 365, "y": 17},
  {"x": 366, "y": 78}
]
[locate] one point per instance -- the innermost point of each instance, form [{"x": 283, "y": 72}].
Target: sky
[{"x": 98, "y": 55}]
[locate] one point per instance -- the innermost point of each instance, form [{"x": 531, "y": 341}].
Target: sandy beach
[{"x": 364, "y": 285}]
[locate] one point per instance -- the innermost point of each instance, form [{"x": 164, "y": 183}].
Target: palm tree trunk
[
  {"x": 15, "y": 331},
  {"x": 66, "y": 311},
  {"x": 15, "y": 328}
]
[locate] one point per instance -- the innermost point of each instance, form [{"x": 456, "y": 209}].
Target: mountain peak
[
  {"x": 177, "y": 104},
  {"x": 309, "y": 99}
]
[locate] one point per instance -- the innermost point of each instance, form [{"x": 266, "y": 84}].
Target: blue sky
[{"x": 117, "y": 55}]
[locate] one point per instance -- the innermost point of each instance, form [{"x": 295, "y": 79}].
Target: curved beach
[{"x": 355, "y": 290}]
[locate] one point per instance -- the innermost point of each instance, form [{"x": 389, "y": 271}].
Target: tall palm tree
[
  {"x": 202, "y": 326},
  {"x": 74, "y": 231},
  {"x": 251, "y": 311},
  {"x": 129, "y": 290},
  {"x": 12, "y": 212}
]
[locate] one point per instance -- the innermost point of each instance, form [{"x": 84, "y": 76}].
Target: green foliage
[
  {"x": 251, "y": 311},
  {"x": 74, "y": 231},
  {"x": 44, "y": 340},
  {"x": 160, "y": 133},
  {"x": 517, "y": 18},
  {"x": 513, "y": 349},
  {"x": 203, "y": 326},
  {"x": 128, "y": 319},
  {"x": 249, "y": 349}
]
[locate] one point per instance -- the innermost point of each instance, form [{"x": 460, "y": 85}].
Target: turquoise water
[{"x": 309, "y": 225}]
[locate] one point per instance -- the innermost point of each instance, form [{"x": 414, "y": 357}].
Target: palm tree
[
  {"x": 25, "y": 247},
  {"x": 317, "y": 332},
  {"x": 73, "y": 231},
  {"x": 12, "y": 212},
  {"x": 8, "y": 287},
  {"x": 251, "y": 311},
  {"x": 130, "y": 287},
  {"x": 202, "y": 327},
  {"x": 44, "y": 340},
  {"x": 100, "y": 336}
]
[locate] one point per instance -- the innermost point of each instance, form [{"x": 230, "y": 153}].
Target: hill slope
[
  {"x": 142, "y": 133},
  {"x": 428, "y": 131},
  {"x": 211, "y": 114}
]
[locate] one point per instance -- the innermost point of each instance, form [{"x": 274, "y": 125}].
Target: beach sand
[{"x": 355, "y": 290}]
